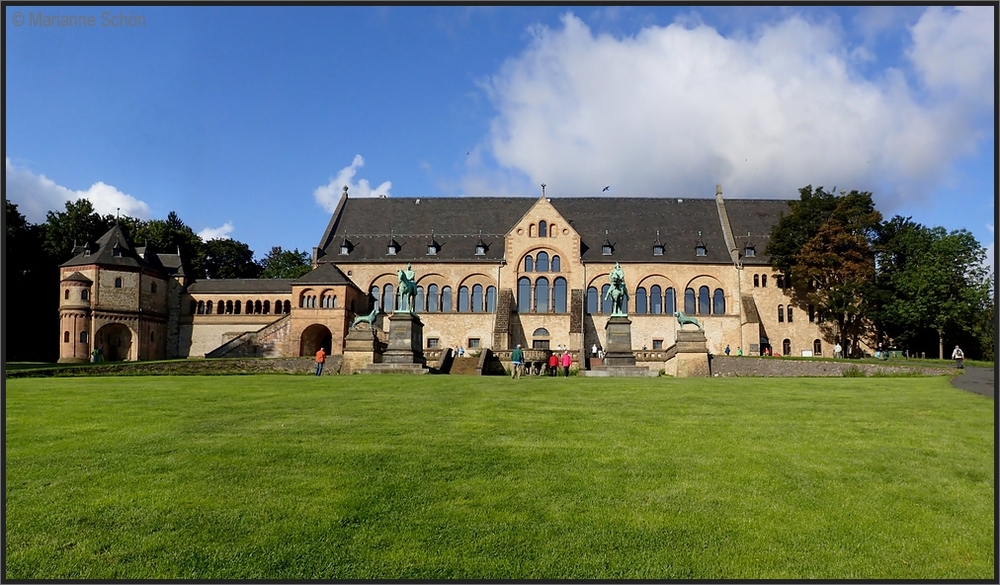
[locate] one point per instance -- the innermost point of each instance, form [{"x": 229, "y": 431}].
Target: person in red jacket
[
  {"x": 320, "y": 359},
  {"x": 553, "y": 364},
  {"x": 567, "y": 361}
]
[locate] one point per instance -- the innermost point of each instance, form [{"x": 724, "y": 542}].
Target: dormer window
[
  {"x": 481, "y": 245},
  {"x": 393, "y": 247},
  {"x": 433, "y": 247},
  {"x": 657, "y": 245},
  {"x": 345, "y": 247},
  {"x": 699, "y": 247},
  {"x": 607, "y": 247},
  {"x": 749, "y": 252},
  {"x": 116, "y": 251}
]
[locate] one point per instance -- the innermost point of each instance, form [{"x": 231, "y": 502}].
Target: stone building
[{"x": 491, "y": 273}]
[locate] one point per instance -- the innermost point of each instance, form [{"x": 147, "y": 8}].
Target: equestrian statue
[
  {"x": 407, "y": 290},
  {"x": 617, "y": 292},
  {"x": 683, "y": 320}
]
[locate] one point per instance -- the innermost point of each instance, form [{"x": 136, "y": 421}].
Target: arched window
[
  {"x": 789, "y": 313},
  {"x": 277, "y": 307},
  {"x": 236, "y": 307},
  {"x": 258, "y": 307},
  {"x": 655, "y": 300},
  {"x": 552, "y": 230},
  {"x": 201, "y": 307},
  {"x": 555, "y": 264},
  {"x": 559, "y": 295},
  {"x": 388, "y": 298},
  {"x": 477, "y": 298},
  {"x": 786, "y": 347},
  {"x": 543, "y": 229},
  {"x": 249, "y": 307},
  {"x": 288, "y": 306},
  {"x": 542, "y": 262},
  {"x": 704, "y": 302},
  {"x": 419, "y": 300},
  {"x": 817, "y": 347},
  {"x": 446, "y": 299},
  {"x": 605, "y": 300},
  {"x": 718, "y": 302},
  {"x": 84, "y": 295},
  {"x": 781, "y": 314},
  {"x": 432, "y": 298},
  {"x": 229, "y": 307},
  {"x": 118, "y": 282},
  {"x": 334, "y": 303},
  {"x": 763, "y": 280},
  {"x": 640, "y": 301},
  {"x": 219, "y": 308},
  {"x": 266, "y": 307},
  {"x": 756, "y": 280},
  {"x": 689, "y": 301},
  {"x": 491, "y": 299},
  {"x": 531, "y": 231},
  {"x": 463, "y": 299},
  {"x": 529, "y": 264},
  {"x": 83, "y": 337},
  {"x": 66, "y": 294},
  {"x": 591, "y": 300},
  {"x": 523, "y": 295},
  {"x": 669, "y": 301},
  {"x": 542, "y": 295},
  {"x": 65, "y": 335}
]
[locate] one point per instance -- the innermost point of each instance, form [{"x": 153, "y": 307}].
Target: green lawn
[{"x": 440, "y": 477}]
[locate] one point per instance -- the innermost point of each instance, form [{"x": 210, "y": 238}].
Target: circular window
[
  {"x": 520, "y": 231},
  {"x": 565, "y": 231}
]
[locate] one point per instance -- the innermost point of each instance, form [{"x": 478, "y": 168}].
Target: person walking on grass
[
  {"x": 320, "y": 359},
  {"x": 553, "y": 364},
  {"x": 959, "y": 356},
  {"x": 567, "y": 361},
  {"x": 516, "y": 361}
]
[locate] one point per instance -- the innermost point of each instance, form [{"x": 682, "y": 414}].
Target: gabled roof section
[
  {"x": 77, "y": 277},
  {"x": 325, "y": 273},
  {"x": 114, "y": 248},
  {"x": 756, "y": 216},
  {"x": 456, "y": 223}
]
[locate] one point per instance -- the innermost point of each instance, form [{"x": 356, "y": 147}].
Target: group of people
[
  {"x": 596, "y": 351},
  {"x": 556, "y": 360}
]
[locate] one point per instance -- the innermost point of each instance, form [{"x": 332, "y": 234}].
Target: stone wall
[
  {"x": 779, "y": 367},
  {"x": 194, "y": 367}
]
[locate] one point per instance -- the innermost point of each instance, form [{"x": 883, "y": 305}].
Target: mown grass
[{"x": 395, "y": 477}]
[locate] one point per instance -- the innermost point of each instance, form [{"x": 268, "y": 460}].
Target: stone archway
[
  {"x": 314, "y": 337},
  {"x": 115, "y": 342}
]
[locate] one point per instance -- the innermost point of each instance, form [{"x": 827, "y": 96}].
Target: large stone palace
[{"x": 492, "y": 272}]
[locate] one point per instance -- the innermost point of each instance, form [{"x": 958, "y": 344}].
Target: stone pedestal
[
  {"x": 618, "y": 342},
  {"x": 405, "y": 353},
  {"x": 619, "y": 361},
  {"x": 691, "y": 357},
  {"x": 361, "y": 349}
]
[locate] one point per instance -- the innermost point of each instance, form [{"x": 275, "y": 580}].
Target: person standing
[
  {"x": 553, "y": 364},
  {"x": 959, "y": 356},
  {"x": 567, "y": 361},
  {"x": 320, "y": 360},
  {"x": 837, "y": 351},
  {"x": 593, "y": 350},
  {"x": 516, "y": 360},
  {"x": 727, "y": 350},
  {"x": 739, "y": 352}
]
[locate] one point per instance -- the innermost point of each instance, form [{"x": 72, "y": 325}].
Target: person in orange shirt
[{"x": 320, "y": 359}]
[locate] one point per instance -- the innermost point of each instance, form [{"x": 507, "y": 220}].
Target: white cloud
[
  {"x": 953, "y": 49},
  {"x": 218, "y": 233},
  {"x": 674, "y": 110},
  {"x": 329, "y": 195},
  {"x": 36, "y": 194}
]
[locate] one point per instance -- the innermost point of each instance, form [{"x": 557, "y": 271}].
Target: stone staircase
[
  {"x": 465, "y": 366},
  {"x": 260, "y": 343}
]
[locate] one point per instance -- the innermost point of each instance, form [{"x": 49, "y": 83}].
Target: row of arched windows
[
  {"x": 543, "y": 230},
  {"x": 540, "y": 263},
  {"x": 236, "y": 307},
  {"x": 786, "y": 347},
  {"x": 759, "y": 280},
  {"x": 438, "y": 299},
  {"x": 653, "y": 303},
  {"x": 540, "y": 296}
]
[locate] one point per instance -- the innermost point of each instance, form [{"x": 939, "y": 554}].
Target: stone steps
[{"x": 465, "y": 366}]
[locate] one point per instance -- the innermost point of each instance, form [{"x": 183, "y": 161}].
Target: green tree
[
  {"x": 77, "y": 225},
  {"x": 31, "y": 295},
  {"x": 228, "y": 258},
  {"x": 823, "y": 247},
  {"x": 285, "y": 263},
  {"x": 167, "y": 236}
]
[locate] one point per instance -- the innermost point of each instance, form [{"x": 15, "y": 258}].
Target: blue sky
[{"x": 247, "y": 121}]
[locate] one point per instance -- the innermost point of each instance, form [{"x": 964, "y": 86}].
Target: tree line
[
  {"x": 892, "y": 283},
  {"x": 35, "y": 251}
]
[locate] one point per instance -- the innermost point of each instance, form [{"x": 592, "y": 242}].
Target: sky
[{"x": 249, "y": 121}]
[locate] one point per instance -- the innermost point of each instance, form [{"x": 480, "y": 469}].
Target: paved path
[{"x": 978, "y": 380}]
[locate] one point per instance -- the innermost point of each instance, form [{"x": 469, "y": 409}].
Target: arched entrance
[
  {"x": 314, "y": 337},
  {"x": 115, "y": 342}
]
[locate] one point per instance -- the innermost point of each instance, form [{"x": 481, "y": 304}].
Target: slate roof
[
  {"x": 77, "y": 277},
  {"x": 629, "y": 223},
  {"x": 325, "y": 273},
  {"x": 242, "y": 285},
  {"x": 102, "y": 252}
]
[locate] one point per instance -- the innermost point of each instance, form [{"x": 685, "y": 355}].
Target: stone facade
[{"x": 491, "y": 273}]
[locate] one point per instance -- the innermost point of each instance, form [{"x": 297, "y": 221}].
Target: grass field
[{"x": 438, "y": 477}]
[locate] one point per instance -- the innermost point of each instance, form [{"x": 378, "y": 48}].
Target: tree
[
  {"x": 823, "y": 247},
  {"x": 285, "y": 263},
  {"x": 934, "y": 286},
  {"x": 228, "y": 258},
  {"x": 169, "y": 235},
  {"x": 77, "y": 225},
  {"x": 32, "y": 284}
]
